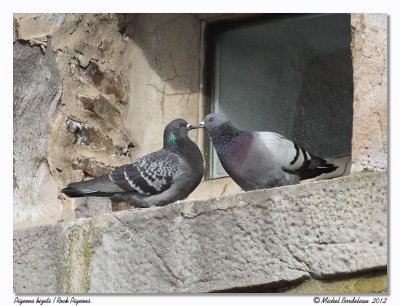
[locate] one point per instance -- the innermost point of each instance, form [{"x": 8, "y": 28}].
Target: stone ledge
[{"x": 268, "y": 238}]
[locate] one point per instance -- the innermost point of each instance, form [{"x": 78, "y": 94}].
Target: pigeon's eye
[
  {"x": 211, "y": 119},
  {"x": 180, "y": 125}
]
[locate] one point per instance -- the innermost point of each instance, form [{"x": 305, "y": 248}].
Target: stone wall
[
  {"x": 369, "y": 48},
  {"x": 121, "y": 79},
  {"x": 71, "y": 95},
  {"x": 94, "y": 91},
  {"x": 37, "y": 90},
  {"x": 117, "y": 80}
]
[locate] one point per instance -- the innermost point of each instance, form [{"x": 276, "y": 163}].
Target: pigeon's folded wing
[
  {"x": 149, "y": 175},
  {"x": 292, "y": 158},
  {"x": 288, "y": 154}
]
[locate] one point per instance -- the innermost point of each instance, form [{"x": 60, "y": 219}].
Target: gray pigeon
[
  {"x": 156, "y": 179},
  {"x": 256, "y": 160}
]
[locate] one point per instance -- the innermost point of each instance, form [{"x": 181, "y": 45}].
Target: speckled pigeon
[
  {"x": 156, "y": 179},
  {"x": 256, "y": 160}
]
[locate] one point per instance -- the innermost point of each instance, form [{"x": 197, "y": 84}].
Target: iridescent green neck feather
[{"x": 171, "y": 140}]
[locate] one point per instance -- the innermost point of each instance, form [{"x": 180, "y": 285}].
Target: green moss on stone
[
  {"x": 87, "y": 258},
  {"x": 78, "y": 258}
]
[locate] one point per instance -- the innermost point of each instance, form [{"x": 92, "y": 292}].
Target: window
[{"x": 289, "y": 74}]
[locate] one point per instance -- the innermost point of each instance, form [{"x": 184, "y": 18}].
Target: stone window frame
[
  {"x": 206, "y": 77},
  {"x": 363, "y": 157}
]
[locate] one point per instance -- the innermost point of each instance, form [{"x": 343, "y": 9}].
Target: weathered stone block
[{"x": 270, "y": 238}]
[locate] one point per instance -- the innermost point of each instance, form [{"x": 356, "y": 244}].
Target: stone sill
[{"x": 266, "y": 238}]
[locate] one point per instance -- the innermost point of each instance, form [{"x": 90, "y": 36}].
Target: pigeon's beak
[
  {"x": 200, "y": 125},
  {"x": 191, "y": 127}
]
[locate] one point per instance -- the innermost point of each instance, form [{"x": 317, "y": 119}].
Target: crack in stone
[
  {"x": 306, "y": 266},
  {"x": 331, "y": 243},
  {"x": 78, "y": 22},
  {"x": 289, "y": 265},
  {"x": 190, "y": 215},
  {"x": 237, "y": 199},
  {"x": 173, "y": 68},
  {"x": 382, "y": 134},
  {"x": 178, "y": 281},
  {"x": 162, "y": 103},
  {"x": 170, "y": 94}
]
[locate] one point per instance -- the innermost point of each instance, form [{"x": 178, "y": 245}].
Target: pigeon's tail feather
[
  {"x": 315, "y": 167},
  {"x": 76, "y": 192},
  {"x": 98, "y": 187},
  {"x": 73, "y": 192}
]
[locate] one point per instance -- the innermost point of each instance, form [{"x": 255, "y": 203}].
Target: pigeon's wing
[
  {"x": 286, "y": 153},
  {"x": 149, "y": 175},
  {"x": 292, "y": 158}
]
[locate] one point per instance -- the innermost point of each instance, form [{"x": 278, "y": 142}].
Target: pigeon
[
  {"x": 256, "y": 160},
  {"x": 156, "y": 179}
]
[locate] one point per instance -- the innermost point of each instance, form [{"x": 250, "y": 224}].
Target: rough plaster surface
[
  {"x": 369, "y": 142},
  {"x": 37, "y": 91},
  {"x": 268, "y": 237},
  {"x": 164, "y": 83}
]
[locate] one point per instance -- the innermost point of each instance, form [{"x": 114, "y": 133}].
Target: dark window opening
[{"x": 290, "y": 74}]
